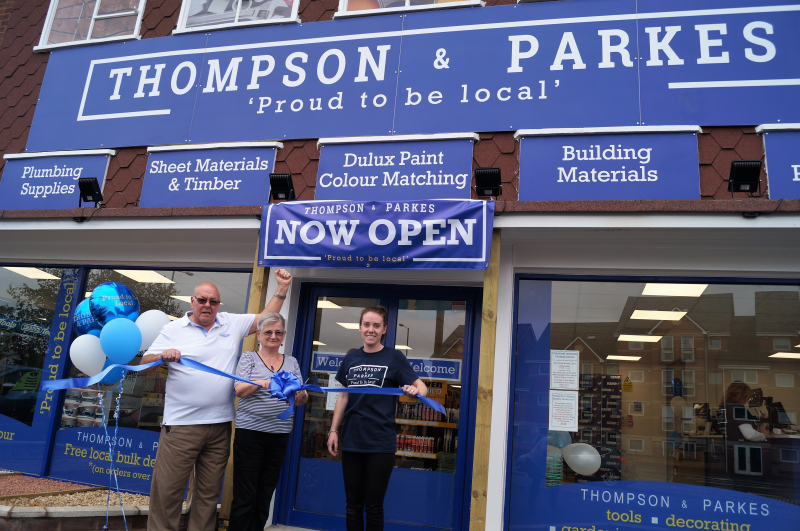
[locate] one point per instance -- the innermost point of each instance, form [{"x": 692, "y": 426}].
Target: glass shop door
[{"x": 436, "y": 329}]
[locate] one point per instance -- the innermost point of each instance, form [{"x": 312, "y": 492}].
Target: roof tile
[
  {"x": 707, "y": 148},
  {"x": 297, "y": 160},
  {"x": 750, "y": 147},
  {"x": 726, "y": 137},
  {"x": 485, "y": 154}
]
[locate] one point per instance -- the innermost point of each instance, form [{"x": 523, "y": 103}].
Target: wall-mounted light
[
  {"x": 281, "y": 186},
  {"x": 89, "y": 191},
  {"x": 745, "y": 176},
  {"x": 487, "y": 182}
]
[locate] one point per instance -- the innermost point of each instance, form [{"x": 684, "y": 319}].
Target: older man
[{"x": 198, "y": 408}]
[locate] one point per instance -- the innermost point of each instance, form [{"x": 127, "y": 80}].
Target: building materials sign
[
  {"x": 585, "y": 63},
  {"x": 233, "y": 176},
  {"x": 435, "y": 234},
  {"x": 783, "y": 164},
  {"x": 439, "y": 169},
  {"x": 49, "y": 181},
  {"x": 626, "y": 166}
]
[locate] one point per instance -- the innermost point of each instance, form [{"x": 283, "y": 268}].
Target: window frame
[
  {"x": 181, "y": 28},
  {"x": 51, "y": 15},
  {"x": 341, "y": 11},
  {"x": 686, "y": 388}
]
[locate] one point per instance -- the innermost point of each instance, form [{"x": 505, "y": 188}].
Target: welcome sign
[
  {"x": 437, "y": 169},
  {"x": 435, "y": 234},
  {"x": 430, "y": 368},
  {"x": 619, "y": 63},
  {"x": 783, "y": 164},
  {"x": 214, "y": 176},
  {"x": 607, "y": 167},
  {"x": 46, "y": 181}
]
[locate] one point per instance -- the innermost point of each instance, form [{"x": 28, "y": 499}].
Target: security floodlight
[
  {"x": 89, "y": 191},
  {"x": 745, "y": 176},
  {"x": 281, "y": 186},
  {"x": 487, "y": 182}
]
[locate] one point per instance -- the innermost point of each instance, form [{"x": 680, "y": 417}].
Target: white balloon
[
  {"x": 582, "y": 458},
  {"x": 87, "y": 355},
  {"x": 553, "y": 451},
  {"x": 150, "y": 324}
]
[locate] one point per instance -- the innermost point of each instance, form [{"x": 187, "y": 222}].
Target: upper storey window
[
  {"x": 200, "y": 15},
  {"x": 72, "y": 22},
  {"x": 349, "y": 8}
]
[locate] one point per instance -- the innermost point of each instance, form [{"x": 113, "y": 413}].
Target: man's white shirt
[{"x": 193, "y": 396}]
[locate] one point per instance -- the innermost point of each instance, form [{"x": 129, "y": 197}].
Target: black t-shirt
[{"x": 369, "y": 419}]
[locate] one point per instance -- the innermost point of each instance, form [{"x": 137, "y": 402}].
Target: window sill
[
  {"x": 409, "y": 9},
  {"x": 200, "y": 29},
  {"x": 50, "y": 47}
]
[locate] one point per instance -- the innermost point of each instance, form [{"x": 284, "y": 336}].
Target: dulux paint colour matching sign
[
  {"x": 434, "y": 169},
  {"x": 783, "y": 164}
]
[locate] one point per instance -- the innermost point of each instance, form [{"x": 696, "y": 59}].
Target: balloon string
[{"x": 111, "y": 449}]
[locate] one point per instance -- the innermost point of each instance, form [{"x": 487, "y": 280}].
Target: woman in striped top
[{"x": 260, "y": 442}]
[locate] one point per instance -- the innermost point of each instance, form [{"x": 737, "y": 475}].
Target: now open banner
[{"x": 417, "y": 234}]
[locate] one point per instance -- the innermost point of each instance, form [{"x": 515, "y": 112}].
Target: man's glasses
[
  {"x": 276, "y": 333},
  {"x": 202, "y": 301}
]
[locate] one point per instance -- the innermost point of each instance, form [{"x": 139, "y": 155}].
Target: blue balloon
[
  {"x": 559, "y": 439},
  {"x": 111, "y": 300},
  {"x": 114, "y": 376},
  {"x": 84, "y": 322},
  {"x": 120, "y": 340}
]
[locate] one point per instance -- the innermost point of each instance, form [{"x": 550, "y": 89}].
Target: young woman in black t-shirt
[{"x": 368, "y": 443}]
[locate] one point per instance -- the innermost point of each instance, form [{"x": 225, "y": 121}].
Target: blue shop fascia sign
[
  {"x": 583, "y": 63},
  {"x": 783, "y": 162},
  {"x": 209, "y": 175}
]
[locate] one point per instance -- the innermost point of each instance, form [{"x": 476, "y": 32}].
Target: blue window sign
[
  {"x": 44, "y": 181},
  {"x": 607, "y": 167},
  {"x": 428, "y": 368},
  {"x": 783, "y": 164},
  {"x": 615, "y": 63},
  {"x": 434, "y": 169},
  {"x": 210, "y": 176},
  {"x": 324, "y": 362},
  {"x": 427, "y": 234}
]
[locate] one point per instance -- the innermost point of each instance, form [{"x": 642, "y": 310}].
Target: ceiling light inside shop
[
  {"x": 403, "y": 347},
  {"x": 172, "y": 317},
  {"x": 32, "y": 272},
  {"x": 319, "y": 343},
  {"x": 145, "y": 277},
  {"x": 349, "y": 326},
  {"x": 88, "y": 294},
  {"x": 790, "y": 355},
  {"x": 652, "y": 315},
  {"x": 624, "y": 358},
  {"x": 675, "y": 290},
  {"x": 328, "y": 305},
  {"x": 643, "y": 339}
]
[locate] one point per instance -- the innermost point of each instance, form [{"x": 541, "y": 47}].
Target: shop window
[
  {"x": 27, "y": 305},
  {"x": 635, "y": 345},
  {"x": 370, "y": 7},
  {"x": 635, "y": 445},
  {"x": 587, "y": 368},
  {"x": 201, "y": 15},
  {"x": 723, "y": 411},
  {"x": 142, "y": 395},
  {"x": 748, "y": 376},
  {"x": 687, "y": 348},
  {"x": 667, "y": 350},
  {"x": 71, "y": 22}
]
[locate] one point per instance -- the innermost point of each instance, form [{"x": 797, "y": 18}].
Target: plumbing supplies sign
[
  {"x": 606, "y": 167},
  {"x": 44, "y": 183},
  {"x": 425, "y": 234},
  {"x": 783, "y": 164},
  {"x": 583, "y": 63},
  {"x": 208, "y": 177},
  {"x": 440, "y": 169}
]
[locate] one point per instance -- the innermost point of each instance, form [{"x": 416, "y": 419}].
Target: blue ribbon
[
  {"x": 69, "y": 383},
  {"x": 283, "y": 385}
]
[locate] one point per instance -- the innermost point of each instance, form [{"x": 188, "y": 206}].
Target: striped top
[{"x": 258, "y": 411}]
